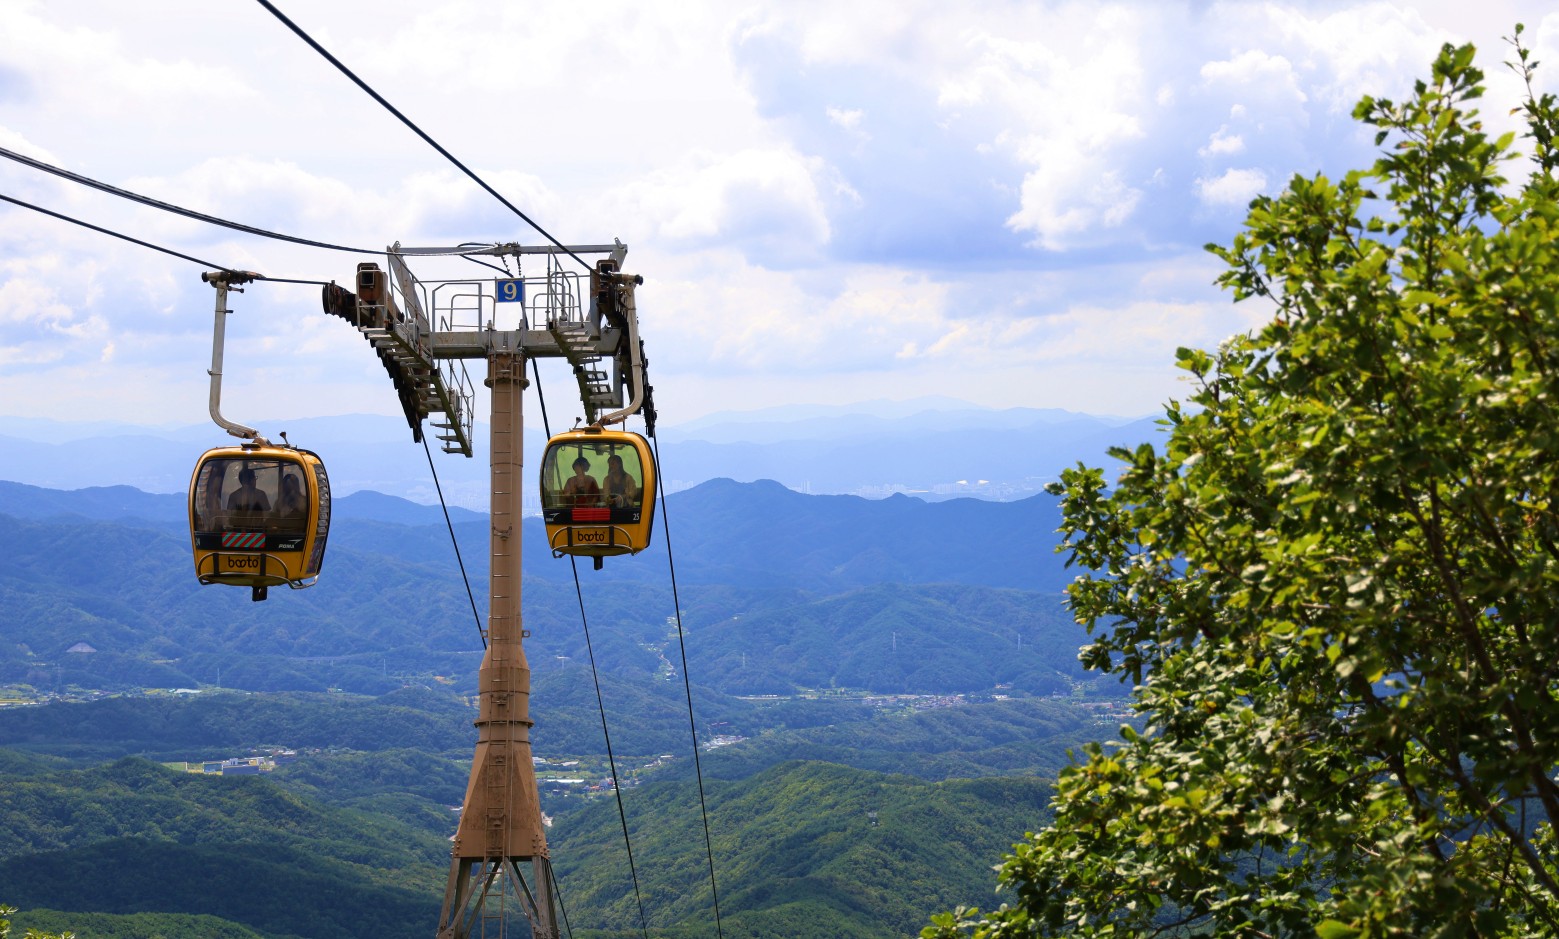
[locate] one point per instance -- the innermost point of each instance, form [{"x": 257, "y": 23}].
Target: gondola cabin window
[
  {"x": 251, "y": 494},
  {"x": 596, "y": 475}
]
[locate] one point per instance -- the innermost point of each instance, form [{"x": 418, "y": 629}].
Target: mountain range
[
  {"x": 937, "y": 448},
  {"x": 892, "y": 684},
  {"x": 787, "y": 592}
]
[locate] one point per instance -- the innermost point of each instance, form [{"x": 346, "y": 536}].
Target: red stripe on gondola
[
  {"x": 243, "y": 539},
  {"x": 592, "y": 515}
]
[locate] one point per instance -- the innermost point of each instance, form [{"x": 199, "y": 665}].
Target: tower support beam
[{"x": 500, "y": 826}]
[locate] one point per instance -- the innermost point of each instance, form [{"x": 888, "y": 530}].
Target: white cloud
[
  {"x": 447, "y": 205},
  {"x": 1233, "y": 187},
  {"x": 718, "y": 314},
  {"x": 11, "y": 140},
  {"x": 27, "y": 301},
  {"x": 1257, "y": 73},
  {"x": 42, "y": 326},
  {"x": 848, "y": 119},
  {"x": 1070, "y": 103},
  {"x": 786, "y": 173},
  {"x": 1368, "y": 48},
  {"x": 1138, "y": 333},
  {"x": 1223, "y": 143},
  {"x": 95, "y": 74},
  {"x": 280, "y": 196},
  {"x": 271, "y": 194},
  {"x": 715, "y": 311},
  {"x": 769, "y": 196},
  {"x": 834, "y": 33},
  {"x": 961, "y": 97},
  {"x": 1069, "y": 195}
]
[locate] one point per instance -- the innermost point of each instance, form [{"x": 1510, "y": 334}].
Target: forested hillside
[
  {"x": 244, "y": 849},
  {"x": 805, "y": 850},
  {"x": 857, "y": 664},
  {"x": 808, "y": 851}
]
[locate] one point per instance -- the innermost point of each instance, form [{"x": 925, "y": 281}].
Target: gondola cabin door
[
  {"x": 259, "y": 517},
  {"x": 598, "y": 493}
]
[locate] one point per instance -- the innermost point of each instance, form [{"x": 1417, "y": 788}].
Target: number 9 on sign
[{"x": 511, "y": 291}]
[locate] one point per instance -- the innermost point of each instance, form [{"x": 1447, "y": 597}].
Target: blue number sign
[{"x": 511, "y": 291}]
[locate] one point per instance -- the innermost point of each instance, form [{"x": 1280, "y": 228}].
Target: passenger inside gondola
[
  {"x": 581, "y": 488},
  {"x": 621, "y": 490},
  {"x": 292, "y": 505},
  {"x": 211, "y": 504},
  {"x": 248, "y": 498}
]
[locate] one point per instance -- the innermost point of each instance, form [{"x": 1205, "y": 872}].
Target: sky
[{"x": 1004, "y": 203}]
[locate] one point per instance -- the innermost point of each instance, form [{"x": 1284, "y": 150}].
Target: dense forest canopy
[{"x": 1335, "y": 585}]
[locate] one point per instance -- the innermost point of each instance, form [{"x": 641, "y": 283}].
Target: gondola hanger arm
[{"x": 224, "y": 281}]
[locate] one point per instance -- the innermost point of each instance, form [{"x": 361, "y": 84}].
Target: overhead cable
[
  {"x": 600, "y": 702},
  {"x": 611, "y": 761},
  {"x": 687, "y": 687},
  {"x": 417, "y": 130},
  {"x": 495, "y": 267},
  {"x": 169, "y": 207},
  {"x": 114, "y": 234},
  {"x": 562, "y": 907},
  {"x": 211, "y": 219},
  {"x": 146, "y": 244},
  {"x": 481, "y": 634}
]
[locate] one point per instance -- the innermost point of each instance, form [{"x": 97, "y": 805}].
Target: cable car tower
[{"x": 423, "y": 331}]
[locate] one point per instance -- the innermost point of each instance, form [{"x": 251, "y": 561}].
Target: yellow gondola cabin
[
  {"x": 598, "y": 493},
  {"x": 259, "y": 516}
]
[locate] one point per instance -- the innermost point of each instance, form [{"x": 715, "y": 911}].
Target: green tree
[
  {"x": 5, "y": 927},
  {"x": 1337, "y": 588}
]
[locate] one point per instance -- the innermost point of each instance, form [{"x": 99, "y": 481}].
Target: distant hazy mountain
[
  {"x": 729, "y": 532},
  {"x": 120, "y": 502},
  {"x": 360, "y": 451},
  {"x": 723, "y": 532},
  {"x": 934, "y": 447},
  {"x": 787, "y": 591},
  {"x": 824, "y": 421}
]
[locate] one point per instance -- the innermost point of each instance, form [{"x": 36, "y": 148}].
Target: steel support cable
[
  {"x": 213, "y": 219},
  {"x": 281, "y": 280},
  {"x": 169, "y": 207},
  {"x": 698, "y": 769},
  {"x": 289, "y": 280},
  {"x": 486, "y": 264},
  {"x": 600, "y": 703},
  {"x": 504, "y": 270},
  {"x": 458, "y": 559},
  {"x": 113, "y": 234},
  {"x": 416, "y": 130},
  {"x": 146, "y": 244},
  {"x": 557, "y": 891},
  {"x": 611, "y": 761}
]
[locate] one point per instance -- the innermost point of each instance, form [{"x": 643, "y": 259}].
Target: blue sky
[{"x": 829, "y": 202}]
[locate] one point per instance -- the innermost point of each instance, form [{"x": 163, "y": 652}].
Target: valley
[{"x": 868, "y": 689}]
